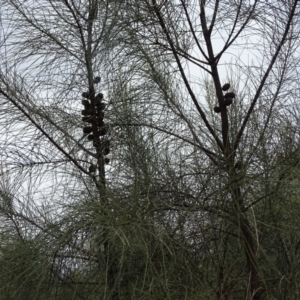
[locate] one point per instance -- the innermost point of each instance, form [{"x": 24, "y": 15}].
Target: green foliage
[{"x": 194, "y": 203}]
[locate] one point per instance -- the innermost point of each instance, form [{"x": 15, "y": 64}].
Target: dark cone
[
  {"x": 87, "y": 129},
  {"x": 96, "y": 79},
  {"x": 217, "y": 109},
  {"x": 229, "y": 95},
  {"x": 91, "y": 137},
  {"x": 226, "y": 87},
  {"x": 103, "y": 131},
  {"x": 92, "y": 168},
  {"x": 98, "y": 99},
  {"x": 106, "y": 151},
  {"x": 86, "y": 112},
  {"x": 106, "y": 160},
  {"x": 99, "y": 96},
  {"x": 85, "y": 102},
  {"x": 238, "y": 165},
  {"x": 101, "y": 106},
  {"x": 85, "y": 95},
  {"x": 228, "y": 101}
]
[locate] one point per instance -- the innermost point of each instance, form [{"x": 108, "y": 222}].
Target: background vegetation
[{"x": 196, "y": 199}]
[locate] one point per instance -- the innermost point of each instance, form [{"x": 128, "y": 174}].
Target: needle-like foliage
[{"x": 149, "y": 149}]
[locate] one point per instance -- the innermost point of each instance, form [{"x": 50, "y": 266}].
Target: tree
[{"x": 197, "y": 200}]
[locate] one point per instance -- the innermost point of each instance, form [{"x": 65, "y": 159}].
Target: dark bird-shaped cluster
[{"x": 226, "y": 87}]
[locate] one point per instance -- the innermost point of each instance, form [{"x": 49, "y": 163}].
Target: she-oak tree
[{"x": 199, "y": 196}]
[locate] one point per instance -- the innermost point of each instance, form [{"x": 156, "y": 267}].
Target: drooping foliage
[{"x": 149, "y": 150}]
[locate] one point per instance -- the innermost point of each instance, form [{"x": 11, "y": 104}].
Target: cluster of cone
[
  {"x": 97, "y": 130},
  {"x": 228, "y": 98}
]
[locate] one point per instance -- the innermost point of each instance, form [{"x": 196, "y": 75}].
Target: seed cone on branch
[
  {"x": 229, "y": 95},
  {"x": 86, "y": 95},
  {"x": 217, "y": 109},
  {"x": 226, "y": 87},
  {"x": 97, "y": 79},
  {"x": 92, "y": 168},
  {"x": 228, "y": 101},
  {"x": 86, "y": 112},
  {"x": 106, "y": 151},
  {"x": 238, "y": 165},
  {"x": 98, "y": 99},
  {"x": 91, "y": 137},
  {"x": 87, "y": 129},
  {"x": 99, "y": 96},
  {"x": 103, "y": 131},
  {"x": 85, "y": 102},
  {"x": 106, "y": 160}
]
